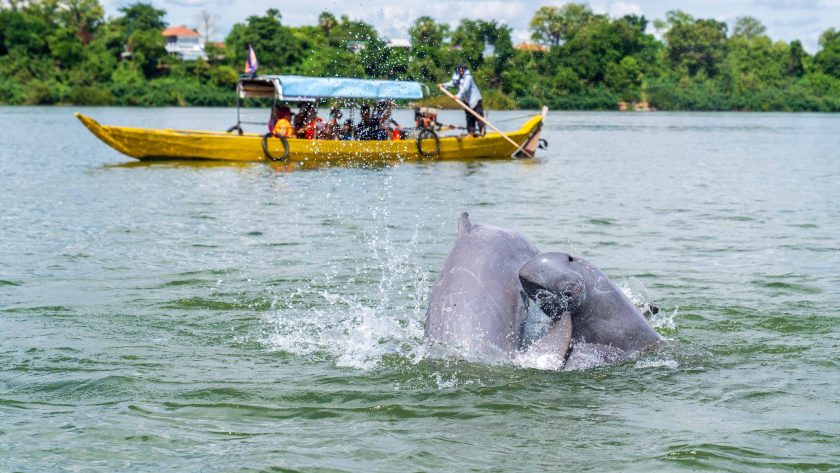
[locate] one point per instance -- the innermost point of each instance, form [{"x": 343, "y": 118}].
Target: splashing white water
[
  {"x": 638, "y": 295},
  {"x": 338, "y": 316},
  {"x": 664, "y": 321},
  {"x": 539, "y": 361}
]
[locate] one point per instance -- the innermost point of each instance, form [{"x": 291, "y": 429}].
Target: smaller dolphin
[{"x": 606, "y": 325}]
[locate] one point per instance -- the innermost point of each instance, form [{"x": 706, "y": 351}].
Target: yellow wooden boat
[{"x": 156, "y": 144}]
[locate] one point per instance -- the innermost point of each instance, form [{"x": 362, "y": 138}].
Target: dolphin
[
  {"x": 493, "y": 276},
  {"x": 477, "y": 304},
  {"x": 606, "y": 326}
]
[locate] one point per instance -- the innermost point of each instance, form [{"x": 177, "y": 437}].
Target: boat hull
[{"x": 150, "y": 144}]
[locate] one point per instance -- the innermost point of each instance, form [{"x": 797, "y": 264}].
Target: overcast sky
[{"x": 785, "y": 19}]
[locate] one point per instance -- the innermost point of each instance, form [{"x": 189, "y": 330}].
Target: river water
[{"x": 184, "y": 317}]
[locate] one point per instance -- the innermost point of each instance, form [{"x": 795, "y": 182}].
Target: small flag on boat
[{"x": 251, "y": 64}]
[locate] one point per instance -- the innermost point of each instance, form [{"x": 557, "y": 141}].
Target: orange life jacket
[
  {"x": 396, "y": 134},
  {"x": 282, "y": 127}
]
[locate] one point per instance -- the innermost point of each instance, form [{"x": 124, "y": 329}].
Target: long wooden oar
[{"x": 484, "y": 120}]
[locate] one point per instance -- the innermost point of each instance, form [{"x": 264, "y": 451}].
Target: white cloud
[{"x": 619, "y": 9}]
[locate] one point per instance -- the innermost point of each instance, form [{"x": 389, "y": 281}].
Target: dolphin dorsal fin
[{"x": 464, "y": 224}]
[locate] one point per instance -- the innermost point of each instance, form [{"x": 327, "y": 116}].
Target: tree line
[{"x": 67, "y": 51}]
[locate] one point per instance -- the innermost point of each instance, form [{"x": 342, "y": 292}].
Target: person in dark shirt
[
  {"x": 346, "y": 132},
  {"x": 368, "y": 128},
  {"x": 303, "y": 118},
  {"x": 332, "y": 129},
  {"x": 389, "y": 128}
]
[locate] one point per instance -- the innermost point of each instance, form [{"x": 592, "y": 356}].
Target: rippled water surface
[{"x": 188, "y": 317}]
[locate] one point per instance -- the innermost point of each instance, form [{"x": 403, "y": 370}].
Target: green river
[{"x": 191, "y": 317}]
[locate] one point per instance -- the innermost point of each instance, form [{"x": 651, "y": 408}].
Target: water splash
[
  {"x": 539, "y": 361},
  {"x": 639, "y": 296},
  {"x": 337, "y": 316},
  {"x": 663, "y": 321}
]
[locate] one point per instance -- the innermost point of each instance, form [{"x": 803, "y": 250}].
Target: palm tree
[{"x": 327, "y": 22}]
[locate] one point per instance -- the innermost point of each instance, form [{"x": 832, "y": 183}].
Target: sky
[{"x": 785, "y": 20}]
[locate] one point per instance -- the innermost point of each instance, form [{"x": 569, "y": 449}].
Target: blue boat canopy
[{"x": 301, "y": 88}]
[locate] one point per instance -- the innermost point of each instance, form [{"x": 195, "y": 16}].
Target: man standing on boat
[{"x": 469, "y": 94}]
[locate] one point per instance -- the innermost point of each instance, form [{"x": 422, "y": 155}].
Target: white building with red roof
[{"x": 184, "y": 43}]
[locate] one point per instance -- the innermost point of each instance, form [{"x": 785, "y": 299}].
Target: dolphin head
[{"x": 555, "y": 281}]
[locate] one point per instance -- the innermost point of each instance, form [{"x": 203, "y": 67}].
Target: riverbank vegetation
[{"x": 68, "y": 51}]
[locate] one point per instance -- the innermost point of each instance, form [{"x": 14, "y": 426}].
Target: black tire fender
[
  {"x": 268, "y": 153},
  {"x": 426, "y": 134}
]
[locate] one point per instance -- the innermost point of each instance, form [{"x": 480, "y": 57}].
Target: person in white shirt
[{"x": 469, "y": 94}]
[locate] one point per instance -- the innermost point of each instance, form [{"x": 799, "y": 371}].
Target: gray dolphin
[
  {"x": 477, "y": 303},
  {"x": 480, "y": 302},
  {"x": 601, "y": 314}
]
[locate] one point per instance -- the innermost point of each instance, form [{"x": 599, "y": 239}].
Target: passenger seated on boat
[
  {"x": 389, "y": 127},
  {"x": 283, "y": 124},
  {"x": 332, "y": 129},
  {"x": 426, "y": 117},
  {"x": 272, "y": 120},
  {"x": 302, "y": 118},
  {"x": 346, "y": 132},
  {"x": 314, "y": 129},
  {"x": 368, "y": 128}
]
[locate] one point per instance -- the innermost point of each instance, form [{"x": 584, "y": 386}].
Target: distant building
[
  {"x": 219, "y": 50},
  {"x": 399, "y": 43},
  {"x": 356, "y": 47},
  {"x": 530, "y": 47},
  {"x": 184, "y": 43}
]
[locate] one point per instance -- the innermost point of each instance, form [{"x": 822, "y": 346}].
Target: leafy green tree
[
  {"x": 66, "y": 47},
  {"x": 676, "y": 18},
  {"x": 327, "y": 21},
  {"x": 380, "y": 61},
  {"x": 499, "y": 36},
  {"x": 827, "y": 59},
  {"x": 141, "y": 25},
  {"x": 469, "y": 44},
  {"x": 795, "y": 63},
  {"x": 82, "y": 17},
  {"x": 426, "y": 33},
  {"x": 748, "y": 27},
  {"x": 636, "y": 21},
  {"x": 625, "y": 79},
  {"x": 427, "y": 47},
  {"x": 597, "y": 45},
  {"x": 568, "y": 82},
  {"x": 140, "y": 16},
  {"x": 696, "y": 45},
  {"x": 276, "y": 46},
  {"x": 331, "y": 62},
  {"x": 552, "y": 25},
  {"x": 750, "y": 66},
  {"x": 349, "y": 30},
  {"x": 23, "y": 33},
  {"x": 54, "y": 51}
]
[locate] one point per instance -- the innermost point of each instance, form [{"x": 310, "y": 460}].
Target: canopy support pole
[{"x": 238, "y": 119}]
